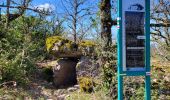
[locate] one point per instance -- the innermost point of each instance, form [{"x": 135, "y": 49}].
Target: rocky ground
[{"x": 38, "y": 88}]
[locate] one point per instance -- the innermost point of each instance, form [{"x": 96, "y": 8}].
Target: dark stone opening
[{"x": 64, "y": 73}]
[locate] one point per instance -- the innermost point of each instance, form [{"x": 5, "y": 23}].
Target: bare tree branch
[{"x": 75, "y": 13}]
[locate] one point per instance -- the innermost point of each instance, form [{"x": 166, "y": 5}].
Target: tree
[
  {"x": 57, "y": 25},
  {"x": 21, "y": 10},
  {"x": 160, "y": 27},
  {"x": 106, "y": 22},
  {"x": 76, "y": 11},
  {"x": 160, "y": 14},
  {"x": 21, "y": 7}
]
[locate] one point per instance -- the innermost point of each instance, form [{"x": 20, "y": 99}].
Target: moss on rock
[
  {"x": 58, "y": 43},
  {"x": 62, "y": 47},
  {"x": 51, "y": 40},
  {"x": 86, "y": 84},
  {"x": 87, "y": 43}
]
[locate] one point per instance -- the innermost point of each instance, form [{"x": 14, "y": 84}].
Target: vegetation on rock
[
  {"x": 86, "y": 84},
  {"x": 60, "y": 45}
]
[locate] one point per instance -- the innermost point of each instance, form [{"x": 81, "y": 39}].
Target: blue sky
[
  {"x": 59, "y": 9},
  {"x": 57, "y": 3}
]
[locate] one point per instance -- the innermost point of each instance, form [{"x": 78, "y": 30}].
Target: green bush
[
  {"x": 21, "y": 45},
  {"x": 15, "y": 64},
  {"x": 86, "y": 84}
]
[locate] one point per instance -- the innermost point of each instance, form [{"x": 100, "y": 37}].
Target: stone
[
  {"x": 61, "y": 97},
  {"x": 77, "y": 86},
  {"x": 87, "y": 67},
  {"x": 65, "y": 72},
  {"x": 167, "y": 77},
  {"x": 71, "y": 89}
]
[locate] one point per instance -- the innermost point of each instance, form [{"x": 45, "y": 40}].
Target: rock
[
  {"x": 67, "y": 96},
  {"x": 71, "y": 89},
  {"x": 59, "y": 92},
  {"x": 167, "y": 78},
  {"x": 77, "y": 86},
  {"x": 162, "y": 97},
  {"x": 62, "y": 47},
  {"x": 87, "y": 67},
  {"x": 46, "y": 92},
  {"x": 61, "y": 97},
  {"x": 65, "y": 72}
]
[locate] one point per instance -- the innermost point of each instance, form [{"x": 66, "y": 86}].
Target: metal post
[
  {"x": 119, "y": 38},
  {"x": 147, "y": 52},
  {"x": 120, "y": 87},
  {"x": 0, "y": 14},
  {"x": 147, "y": 88}
]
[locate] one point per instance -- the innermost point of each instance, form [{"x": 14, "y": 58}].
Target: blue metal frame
[
  {"x": 147, "y": 52},
  {"x": 122, "y": 73},
  {"x": 119, "y": 51}
]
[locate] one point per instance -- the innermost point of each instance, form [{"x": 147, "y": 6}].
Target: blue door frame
[{"x": 145, "y": 73}]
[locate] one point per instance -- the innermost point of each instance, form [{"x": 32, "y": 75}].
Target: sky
[{"x": 56, "y": 5}]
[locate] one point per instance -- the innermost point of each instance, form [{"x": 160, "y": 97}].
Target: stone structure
[
  {"x": 65, "y": 72},
  {"x": 68, "y": 54}
]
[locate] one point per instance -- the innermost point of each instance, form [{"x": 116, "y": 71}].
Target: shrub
[
  {"x": 16, "y": 69},
  {"x": 86, "y": 84}
]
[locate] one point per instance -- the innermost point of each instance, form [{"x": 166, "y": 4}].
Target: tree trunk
[
  {"x": 106, "y": 22},
  {"x": 74, "y": 30},
  {"x": 75, "y": 20},
  {"x": 7, "y": 14}
]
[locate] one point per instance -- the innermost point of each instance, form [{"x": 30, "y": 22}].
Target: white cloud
[{"x": 46, "y": 7}]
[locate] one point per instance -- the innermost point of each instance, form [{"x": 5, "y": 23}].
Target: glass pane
[{"x": 135, "y": 39}]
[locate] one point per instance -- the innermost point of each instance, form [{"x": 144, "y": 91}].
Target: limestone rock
[
  {"x": 71, "y": 89},
  {"x": 87, "y": 67},
  {"x": 167, "y": 77},
  {"x": 61, "y": 97},
  {"x": 65, "y": 72}
]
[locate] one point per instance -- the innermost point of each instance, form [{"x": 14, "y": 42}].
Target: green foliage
[
  {"x": 13, "y": 70},
  {"x": 139, "y": 94},
  {"x": 15, "y": 64},
  {"x": 108, "y": 63},
  {"x": 15, "y": 59},
  {"x": 108, "y": 75},
  {"x": 21, "y": 46},
  {"x": 86, "y": 84}
]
